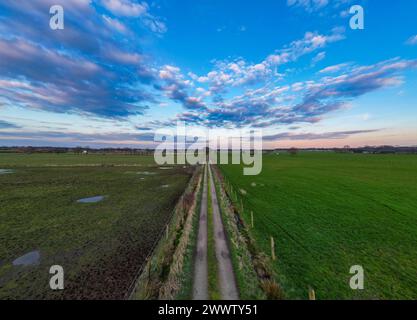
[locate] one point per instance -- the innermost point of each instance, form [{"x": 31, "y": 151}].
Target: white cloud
[
  {"x": 365, "y": 116},
  {"x": 274, "y": 104},
  {"x": 298, "y": 86},
  {"x": 131, "y": 9},
  {"x": 312, "y": 41},
  {"x": 115, "y": 24},
  {"x": 238, "y": 72},
  {"x": 412, "y": 40},
  {"x": 203, "y": 79},
  {"x": 335, "y": 68},
  {"x": 308, "y": 5},
  {"x": 324, "y": 7},
  {"x": 125, "y": 8},
  {"x": 319, "y": 57},
  {"x": 154, "y": 24},
  {"x": 122, "y": 57},
  {"x": 168, "y": 72}
]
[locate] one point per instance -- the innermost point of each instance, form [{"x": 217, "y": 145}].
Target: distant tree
[
  {"x": 293, "y": 151},
  {"x": 346, "y": 149}
]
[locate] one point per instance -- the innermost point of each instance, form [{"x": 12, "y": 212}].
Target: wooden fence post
[
  {"x": 251, "y": 219},
  {"x": 149, "y": 270},
  {"x": 311, "y": 294},
  {"x": 273, "y": 249}
]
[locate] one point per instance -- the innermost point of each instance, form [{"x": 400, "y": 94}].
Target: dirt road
[
  {"x": 227, "y": 281},
  {"x": 200, "y": 283},
  {"x": 226, "y": 277}
]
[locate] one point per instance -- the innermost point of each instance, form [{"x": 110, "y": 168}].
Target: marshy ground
[{"x": 95, "y": 215}]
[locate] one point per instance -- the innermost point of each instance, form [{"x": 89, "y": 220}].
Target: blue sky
[{"x": 122, "y": 69}]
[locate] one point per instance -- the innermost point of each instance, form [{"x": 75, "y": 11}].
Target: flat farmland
[
  {"x": 100, "y": 244},
  {"x": 328, "y": 212}
]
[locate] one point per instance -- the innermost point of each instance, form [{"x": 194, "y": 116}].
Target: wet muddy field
[{"x": 98, "y": 222}]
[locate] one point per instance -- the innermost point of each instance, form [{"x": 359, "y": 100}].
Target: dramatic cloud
[
  {"x": 85, "y": 68},
  {"x": 176, "y": 88},
  {"x": 131, "y": 9},
  {"x": 301, "y": 102},
  {"x": 89, "y": 69},
  {"x": 332, "y": 93},
  {"x": 361, "y": 80},
  {"x": 237, "y": 73},
  {"x": 316, "y": 136},
  {"x": 54, "y": 81},
  {"x": 97, "y": 67}
]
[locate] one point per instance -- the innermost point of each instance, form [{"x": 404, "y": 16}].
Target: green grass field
[
  {"x": 100, "y": 245},
  {"x": 328, "y": 212}
]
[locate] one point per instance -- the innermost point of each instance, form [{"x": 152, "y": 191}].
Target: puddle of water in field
[
  {"x": 91, "y": 200},
  {"x": 6, "y": 171},
  {"x": 166, "y": 168},
  {"x": 146, "y": 173},
  {"x": 29, "y": 259}
]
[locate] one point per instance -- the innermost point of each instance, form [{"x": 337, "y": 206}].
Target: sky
[{"x": 122, "y": 69}]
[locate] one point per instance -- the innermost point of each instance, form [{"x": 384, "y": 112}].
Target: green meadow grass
[
  {"x": 100, "y": 245},
  {"x": 328, "y": 212}
]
